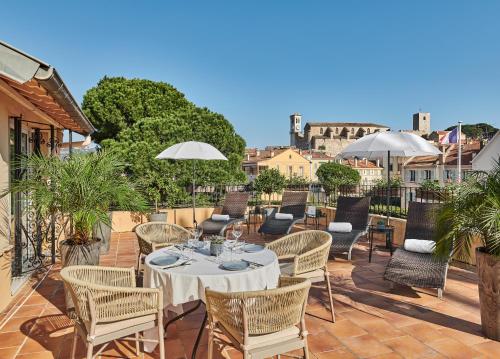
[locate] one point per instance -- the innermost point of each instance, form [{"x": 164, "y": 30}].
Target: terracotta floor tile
[
  {"x": 490, "y": 348},
  {"x": 452, "y": 348},
  {"x": 366, "y": 346},
  {"x": 29, "y": 311},
  {"x": 339, "y": 353},
  {"x": 382, "y": 330},
  {"x": 422, "y": 332},
  {"x": 345, "y": 328},
  {"x": 10, "y": 339},
  {"x": 409, "y": 347},
  {"x": 322, "y": 342},
  {"x": 8, "y": 353},
  {"x": 38, "y": 355}
]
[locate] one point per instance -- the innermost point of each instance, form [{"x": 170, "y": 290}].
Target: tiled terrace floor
[{"x": 372, "y": 320}]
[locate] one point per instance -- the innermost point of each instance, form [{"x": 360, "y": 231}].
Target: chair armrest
[{"x": 109, "y": 304}]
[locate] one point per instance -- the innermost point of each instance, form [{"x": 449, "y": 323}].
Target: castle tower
[
  {"x": 295, "y": 128},
  {"x": 422, "y": 122}
]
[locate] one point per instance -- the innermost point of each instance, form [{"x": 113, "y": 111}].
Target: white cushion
[
  {"x": 419, "y": 245},
  {"x": 220, "y": 217},
  {"x": 343, "y": 227},
  {"x": 283, "y": 216}
]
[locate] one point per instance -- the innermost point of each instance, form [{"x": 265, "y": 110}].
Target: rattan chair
[
  {"x": 355, "y": 211},
  {"x": 422, "y": 270},
  {"x": 235, "y": 206},
  {"x": 292, "y": 202},
  {"x": 109, "y": 306},
  {"x": 262, "y": 323},
  {"x": 305, "y": 255},
  {"x": 155, "y": 235}
]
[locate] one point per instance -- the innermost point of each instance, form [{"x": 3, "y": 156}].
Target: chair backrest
[
  {"x": 235, "y": 204},
  {"x": 261, "y": 312},
  {"x": 84, "y": 280},
  {"x": 421, "y": 220},
  {"x": 294, "y": 202},
  {"x": 161, "y": 232},
  {"x": 354, "y": 210}
]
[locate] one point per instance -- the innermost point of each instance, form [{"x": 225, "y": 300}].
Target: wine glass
[
  {"x": 237, "y": 231},
  {"x": 230, "y": 243},
  {"x": 198, "y": 232}
]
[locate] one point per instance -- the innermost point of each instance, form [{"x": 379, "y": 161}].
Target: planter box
[
  {"x": 432, "y": 195},
  {"x": 488, "y": 272}
]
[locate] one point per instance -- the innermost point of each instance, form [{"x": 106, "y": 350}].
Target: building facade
[
  {"x": 35, "y": 108},
  {"x": 328, "y": 137}
]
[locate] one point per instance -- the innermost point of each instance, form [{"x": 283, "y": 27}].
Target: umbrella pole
[
  {"x": 388, "y": 185},
  {"x": 195, "y": 224}
]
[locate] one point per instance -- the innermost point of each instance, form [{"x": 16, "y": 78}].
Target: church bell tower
[{"x": 295, "y": 127}]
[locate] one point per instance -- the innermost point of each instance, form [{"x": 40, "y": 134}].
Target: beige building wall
[{"x": 289, "y": 163}]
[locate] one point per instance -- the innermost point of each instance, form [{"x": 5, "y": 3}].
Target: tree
[
  {"x": 140, "y": 118},
  {"x": 270, "y": 181},
  {"x": 116, "y": 103},
  {"x": 477, "y": 131},
  {"x": 297, "y": 181},
  {"x": 332, "y": 175}
]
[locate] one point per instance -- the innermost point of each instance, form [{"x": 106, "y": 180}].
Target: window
[
  {"x": 448, "y": 174},
  {"x": 289, "y": 157},
  {"x": 321, "y": 131},
  {"x": 290, "y": 170},
  {"x": 301, "y": 171},
  {"x": 428, "y": 174},
  {"x": 413, "y": 175},
  {"x": 336, "y": 130},
  {"x": 352, "y": 130},
  {"x": 368, "y": 130}
]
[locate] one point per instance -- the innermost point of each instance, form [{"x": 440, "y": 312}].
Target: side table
[{"x": 388, "y": 230}]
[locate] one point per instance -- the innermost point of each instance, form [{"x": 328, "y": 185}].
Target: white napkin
[
  {"x": 283, "y": 216},
  {"x": 419, "y": 245},
  {"x": 220, "y": 217},
  {"x": 342, "y": 227}
]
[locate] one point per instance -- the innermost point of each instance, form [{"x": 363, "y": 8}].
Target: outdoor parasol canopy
[
  {"x": 192, "y": 150},
  {"x": 390, "y": 143}
]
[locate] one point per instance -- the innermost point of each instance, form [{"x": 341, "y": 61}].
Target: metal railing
[{"x": 399, "y": 197}]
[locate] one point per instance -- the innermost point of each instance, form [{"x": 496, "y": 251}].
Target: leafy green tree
[
  {"x": 270, "y": 181},
  {"x": 477, "y": 131},
  {"x": 116, "y": 103},
  {"x": 297, "y": 181},
  {"x": 333, "y": 175},
  {"x": 140, "y": 118}
]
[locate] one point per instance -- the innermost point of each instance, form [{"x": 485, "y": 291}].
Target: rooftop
[{"x": 373, "y": 321}]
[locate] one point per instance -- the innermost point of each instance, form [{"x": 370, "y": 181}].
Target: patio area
[{"x": 373, "y": 321}]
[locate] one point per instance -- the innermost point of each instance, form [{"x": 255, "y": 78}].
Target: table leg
[
  {"x": 370, "y": 239},
  {"x": 200, "y": 333},
  {"x": 182, "y": 315},
  {"x": 390, "y": 242}
]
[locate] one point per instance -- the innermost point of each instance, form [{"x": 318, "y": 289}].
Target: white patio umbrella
[
  {"x": 192, "y": 150},
  {"x": 389, "y": 143}
]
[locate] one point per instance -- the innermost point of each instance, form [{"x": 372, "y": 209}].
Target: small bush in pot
[
  {"x": 472, "y": 215},
  {"x": 83, "y": 188}
]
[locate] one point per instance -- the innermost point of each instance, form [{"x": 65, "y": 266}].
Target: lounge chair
[
  {"x": 305, "y": 255},
  {"x": 235, "y": 206},
  {"x": 421, "y": 270},
  {"x": 355, "y": 211},
  {"x": 294, "y": 203},
  {"x": 155, "y": 235},
  {"x": 262, "y": 323},
  {"x": 109, "y": 306}
]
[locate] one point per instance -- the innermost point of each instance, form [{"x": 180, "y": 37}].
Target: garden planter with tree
[{"x": 473, "y": 213}]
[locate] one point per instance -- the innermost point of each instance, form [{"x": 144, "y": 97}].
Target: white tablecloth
[{"x": 187, "y": 283}]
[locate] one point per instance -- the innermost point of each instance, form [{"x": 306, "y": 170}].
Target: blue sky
[{"x": 257, "y": 62}]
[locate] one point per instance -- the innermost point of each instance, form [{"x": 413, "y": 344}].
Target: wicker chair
[
  {"x": 355, "y": 211},
  {"x": 305, "y": 255},
  {"x": 155, "y": 235},
  {"x": 261, "y": 323},
  {"x": 422, "y": 270},
  {"x": 109, "y": 306},
  {"x": 235, "y": 205},
  {"x": 294, "y": 203}
]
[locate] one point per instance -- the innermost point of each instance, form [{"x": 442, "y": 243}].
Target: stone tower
[
  {"x": 422, "y": 122},
  {"x": 295, "y": 128}
]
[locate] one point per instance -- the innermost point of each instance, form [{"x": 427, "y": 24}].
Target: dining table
[{"x": 248, "y": 267}]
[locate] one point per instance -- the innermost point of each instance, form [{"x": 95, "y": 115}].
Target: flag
[{"x": 450, "y": 137}]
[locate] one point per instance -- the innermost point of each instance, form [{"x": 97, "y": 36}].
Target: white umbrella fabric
[
  {"x": 192, "y": 150},
  {"x": 380, "y": 144}
]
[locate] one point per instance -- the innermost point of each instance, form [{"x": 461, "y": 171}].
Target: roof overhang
[{"x": 41, "y": 85}]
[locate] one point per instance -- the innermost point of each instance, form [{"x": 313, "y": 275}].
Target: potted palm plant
[
  {"x": 472, "y": 215},
  {"x": 81, "y": 190}
]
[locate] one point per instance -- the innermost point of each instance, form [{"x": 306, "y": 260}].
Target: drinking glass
[{"x": 237, "y": 232}]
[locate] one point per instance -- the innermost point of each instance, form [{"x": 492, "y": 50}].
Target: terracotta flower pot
[
  {"x": 488, "y": 271},
  {"x": 78, "y": 254}
]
